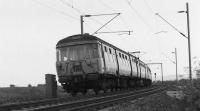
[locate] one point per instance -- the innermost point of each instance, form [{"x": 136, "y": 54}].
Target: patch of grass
[
  {"x": 22, "y": 94},
  {"x": 156, "y": 102},
  {"x": 163, "y": 102}
]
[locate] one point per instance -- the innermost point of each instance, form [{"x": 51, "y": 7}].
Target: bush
[
  {"x": 163, "y": 102},
  {"x": 192, "y": 96}
]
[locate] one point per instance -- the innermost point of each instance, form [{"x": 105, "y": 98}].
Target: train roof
[
  {"x": 87, "y": 37},
  {"x": 79, "y": 37}
]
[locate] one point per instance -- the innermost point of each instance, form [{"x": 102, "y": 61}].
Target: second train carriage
[{"x": 87, "y": 62}]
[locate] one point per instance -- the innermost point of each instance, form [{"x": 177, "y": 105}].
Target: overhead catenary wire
[
  {"x": 106, "y": 23},
  {"x": 142, "y": 19},
  {"x": 151, "y": 11},
  {"x": 71, "y": 6},
  {"x": 123, "y": 21},
  {"x": 138, "y": 15},
  {"x": 168, "y": 58},
  {"x": 171, "y": 25},
  {"x": 100, "y": 23},
  {"x": 81, "y": 13},
  {"x": 56, "y": 10},
  {"x": 106, "y": 5},
  {"x": 158, "y": 32},
  {"x": 148, "y": 6},
  {"x": 61, "y": 12},
  {"x": 71, "y": 16},
  {"x": 109, "y": 7}
]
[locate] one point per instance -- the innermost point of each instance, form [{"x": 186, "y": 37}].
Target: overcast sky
[{"x": 30, "y": 29}]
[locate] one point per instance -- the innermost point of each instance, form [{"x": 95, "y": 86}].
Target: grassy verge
[
  {"x": 21, "y": 94},
  {"x": 163, "y": 102}
]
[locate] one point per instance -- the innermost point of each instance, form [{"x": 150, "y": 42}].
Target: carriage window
[
  {"x": 79, "y": 52},
  {"x": 58, "y": 55},
  {"x": 110, "y": 51},
  {"x": 123, "y": 56},
  {"x": 105, "y": 48},
  {"x": 134, "y": 67},
  {"x": 120, "y": 55},
  {"x": 126, "y": 57}
]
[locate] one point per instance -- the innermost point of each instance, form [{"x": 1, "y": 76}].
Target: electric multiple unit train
[{"x": 88, "y": 62}]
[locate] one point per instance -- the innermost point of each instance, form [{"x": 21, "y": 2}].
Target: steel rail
[
  {"x": 113, "y": 101},
  {"x": 93, "y": 102},
  {"x": 8, "y": 107},
  {"x": 58, "y": 102}
]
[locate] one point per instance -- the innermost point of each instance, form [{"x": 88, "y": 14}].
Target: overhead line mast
[
  {"x": 129, "y": 32},
  {"x": 82, "y": 21},
  {"x": 96, "y": 32},
  {"x": 187, "y": 37}
]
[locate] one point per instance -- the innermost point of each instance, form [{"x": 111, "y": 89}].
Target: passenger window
[
  {"x": 58, "y": 55},
  {"x": 110, "y": 51},
  {"x": 105, "y": 48},
  {"x": 126, "y": 57},
  {"x": 123, "y": 56},
  {"x": 99, "y": 51},
  {"x": 120, "y": 55}
]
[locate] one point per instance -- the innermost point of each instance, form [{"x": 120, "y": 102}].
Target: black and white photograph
[{"x": 99, "y": 55}]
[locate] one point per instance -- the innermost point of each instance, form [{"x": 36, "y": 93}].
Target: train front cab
[{"x": 79, "y": 66}]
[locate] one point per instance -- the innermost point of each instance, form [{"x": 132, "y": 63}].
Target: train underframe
[{"x": 97, "y": 82}]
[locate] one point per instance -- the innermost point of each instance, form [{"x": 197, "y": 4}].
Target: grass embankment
[
  {"x": 22, "y": 94},
  {"x": 163, "y": 102},
  {"x": 19, "y": 94}
]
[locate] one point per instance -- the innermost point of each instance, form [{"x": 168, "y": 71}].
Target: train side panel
[
  {"x": 134, "y": 67},
  {"x": 143, "y": 71},
  {"x": 148, "y": 73},
  {"x": 124, "y": 64},
  {"x": 110, "y": 60}
]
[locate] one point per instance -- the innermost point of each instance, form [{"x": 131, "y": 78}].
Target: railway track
[{"x": 91, "y": 103}]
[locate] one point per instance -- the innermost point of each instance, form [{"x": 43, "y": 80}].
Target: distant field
[{"x": 20, "y": 94}]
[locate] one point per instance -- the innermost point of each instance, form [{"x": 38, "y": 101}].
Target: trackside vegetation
[{"x": 163, "y": 102}]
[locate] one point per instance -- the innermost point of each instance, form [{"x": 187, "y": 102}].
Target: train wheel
[
  {"x": 112, "y": 89},
  {"x": 84, "y": 91},
  {"x": 96, "y": 91},
  {"x": 104, "y": 85},
  {"x": 104, "y": 90},
  {"x": 73, "y": 93}
]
